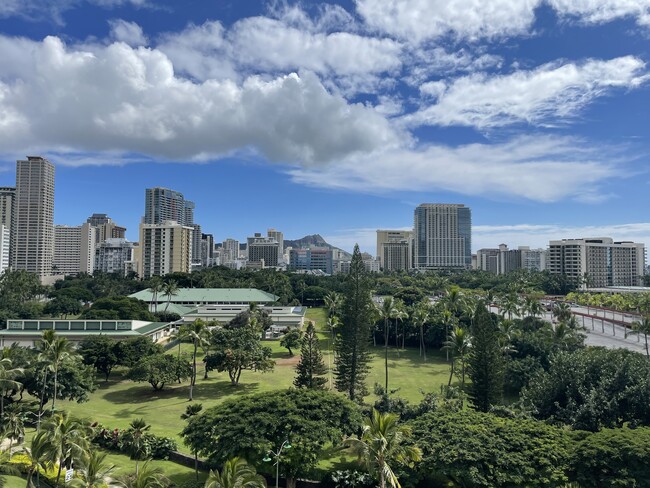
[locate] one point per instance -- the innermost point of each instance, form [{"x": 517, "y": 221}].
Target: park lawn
[{"x": 117, "y": 402}]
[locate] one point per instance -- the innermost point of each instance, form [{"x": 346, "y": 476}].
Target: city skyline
[{"x": 333, "y": 119}]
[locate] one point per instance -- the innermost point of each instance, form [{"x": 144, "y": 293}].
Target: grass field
[{"x": 119, "y": 401}]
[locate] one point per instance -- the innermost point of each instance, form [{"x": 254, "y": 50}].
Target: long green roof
[{"x": 211, "y": 295}]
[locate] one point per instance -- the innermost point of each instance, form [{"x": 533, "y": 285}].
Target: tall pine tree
[
  {"x": 352, "y": 344},
  {"x": 311, "y": 367},
  {"x": 486, "y": 364}
]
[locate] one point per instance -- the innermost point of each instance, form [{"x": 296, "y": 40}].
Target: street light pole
[{"x": 276, "y": 455}]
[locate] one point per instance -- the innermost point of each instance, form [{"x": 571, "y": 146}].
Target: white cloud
[
  {"x": 347, "y": 61},
  {"x": 550, "y": 92},
  {"x": 541, "y": 168},
  {"x": 117, "y": 98},
  {"x": 420, "y": 20},
  {"x": 40, "y": 9},
  {"x": 539, "y": 235},
  {"x": 127, "y": 32},
  {"x": 602, "y": 11}
]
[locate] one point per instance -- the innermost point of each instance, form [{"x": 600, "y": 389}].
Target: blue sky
[{"x": 337, "y": 118}]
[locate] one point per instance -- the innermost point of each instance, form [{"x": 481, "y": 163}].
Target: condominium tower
[
  {"x": 598, "y": 261},
  {"x": 442, "y": 236},
  {"x": 74, "y": 249},
  {"x": 34, "y": 216},
  {"x": 164, "y": 248},
  {"x": 394, "y": 249},
  {"x": 163, "y": 204}
]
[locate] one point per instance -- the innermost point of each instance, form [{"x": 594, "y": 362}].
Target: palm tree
[
  {"x": 13, "y": 427},
  {"x": 532, "y": 306},
  {"x": 561, "y": 311},
  {"x": 386, "y": 312},
  {"x": 420, "y": 317},
  {"x": 6, "y": 466},
  {"x": 459, "y": 343},
  {"x": 43, "y": 357},
  {"x": 147, "y": 477},
  {"x": 170, "y": 289},
  {"x": 453, "y": 300},
  {"x": 93, "y": 472},
  {"x": 236, "y": 473},
  {"x": 447, "y": 319},
  {"x": 135, "y": 434},
  {"x": 197, "y": 332},
  {"x": 155, "y": 288},
  {"x": 400, "y": 315},
  {"x": 509, "y": 305},
  {"x": 68, "y": 437},
  {"x": 41, "y": 455},
  {"x": 191, "y": 411},
  {"x": 59, "y": 351},
  {"x": 8, "y": 381},
  {"x": 333, "y": 302},
  {"x": 643, "y": 327},
  {"x": 383, "y": 442}
]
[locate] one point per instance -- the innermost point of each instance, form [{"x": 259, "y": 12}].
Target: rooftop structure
[{"x": 210, "y": 296}]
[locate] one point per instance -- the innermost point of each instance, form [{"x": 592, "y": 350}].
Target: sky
[{"x": 337, "y": 118}]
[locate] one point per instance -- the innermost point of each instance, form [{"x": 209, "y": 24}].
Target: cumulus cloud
[
  {"x": 273, "y": 46},
  {"x": 602, "y": 11},
  {"x": 541, "y": 168},
  {"x": 120, "y": 98},
  {"x": 420, "y": 20},
  {"x": 546, "y": 94},
  {"x": 127, "y": 32}
]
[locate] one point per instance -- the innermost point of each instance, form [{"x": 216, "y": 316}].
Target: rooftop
[{"x": 210, "y": 295}]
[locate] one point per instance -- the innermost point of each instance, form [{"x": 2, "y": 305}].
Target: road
[{"x": 600, "y": 329}]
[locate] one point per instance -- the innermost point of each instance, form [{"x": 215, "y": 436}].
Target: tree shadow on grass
[{"x": 203, "y": 391}]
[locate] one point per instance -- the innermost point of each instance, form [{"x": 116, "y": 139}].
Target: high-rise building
[
  {"x": 196, "y": 244},
  {"x": 106, "y": 228},
  {"x": 207, "y": 250},
  {"x": 5, "y": 240},
  {"x": 8, "y": 214},
  {"x": 229, "y": 251},
  {"x": 533, "y": 259},
  {"x": 163, "y": 204},
  {"x": 598, "y": 261},
  {"x": 112, "y": 255},
  {"x": 164, "y": 248},
  {"x": 442, "y": 236},
  {"x": 33, "y": 242},
  {"x": 74, "y": 249},
  {"x": 394, "y": 249},
  {"x": 279, "y": 237},
  {"x": 311, "y": 259},
  {"x": 263, "y": 249}
]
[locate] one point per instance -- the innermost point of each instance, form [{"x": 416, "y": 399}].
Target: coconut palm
[
  {"x": 156, "y": 286},
  {"x": 8, "y": 381},
  {"x": 13, "y": 427},
  {"x": 146, "y": 477},
  {"x": 532, "y": 306},
  {"x": 383, "y": 443},
  {"x": 93, "y": 472},
  {"x": 236, "y": 473},
  {"x": 400, "y": 315},
  {"x": 170, "y": 289},
  {"x": 561, "y": 311},
  {"x": 44, "y": 347},
  {"x": 40, "y": 455},
  {"x": 333, "y": 303},
  {"x": 198, "y": 333},
  {"x": 135, "y": 435},
  {"x": 191, "y": 411},
  {"x": 420, "y": 318},
  {"x": 453, "y": 300},
  {"x": 458, "y": 343},
  {"x": 386, "y": 312},
  {"x": 68, "y": 437},
  {"x": 643, "y": 327},
  {"x": 6, "y": 466},
  {"x": 509, "y": 305}
]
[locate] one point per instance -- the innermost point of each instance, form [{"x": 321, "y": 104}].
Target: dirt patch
[{"x": 288, "y": 361}]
